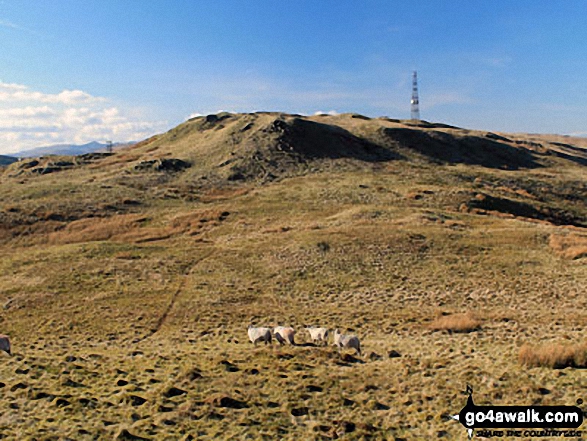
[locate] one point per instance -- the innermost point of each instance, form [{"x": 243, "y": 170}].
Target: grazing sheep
[
  {"x": 318, "y": 335},
  {"x": 5, "y": 344},
  {"x": 347, "y": 341},
  {"x": 284, "y": 334},
  {"x": 259, "y": 334}
]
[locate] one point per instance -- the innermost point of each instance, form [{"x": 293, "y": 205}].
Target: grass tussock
[
  {"x": 456, "y": 323},
  {"x": 555, "y": 356},
  {"x": 96, "y": 229},
  {"x": 571, "y": 246},
  {"x": 132, "y": 228}
]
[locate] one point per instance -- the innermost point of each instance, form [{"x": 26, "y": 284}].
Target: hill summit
[
  {"x": 264, "y": 146},
  {"x": 267, "y": 145},
  {"x": 235, "y": 150}
]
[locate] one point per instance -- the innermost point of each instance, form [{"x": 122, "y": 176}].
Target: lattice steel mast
[{"x": 415, "y": 100}]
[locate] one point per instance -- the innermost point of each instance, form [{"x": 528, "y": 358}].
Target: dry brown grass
[
  {"x": 95, "y": 229},
  {"x": 195, "y": 219},
  {"x": 555, "y": 355},
  {"x": 571, "y": 246},
  {"x": 456, "y": 323},
  {"x": 221, "y": 194},
  {"x": 131, "y": 228},
  {"x": 358, "y": 254}
]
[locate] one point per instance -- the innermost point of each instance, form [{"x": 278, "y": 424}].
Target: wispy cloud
[
  {"x": 8, "y": 24},
  {"x": 30, "y": 118},
  {"x": 18, "y": 92}
]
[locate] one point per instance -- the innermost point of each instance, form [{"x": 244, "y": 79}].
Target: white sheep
[
  {"x": 347, "y": 341},
  {"x": 5, "y": 344},
  {"x": 284, "y": 334},
  {"x": 259, "y": 334},
  {"x": 318, "y": 335}
]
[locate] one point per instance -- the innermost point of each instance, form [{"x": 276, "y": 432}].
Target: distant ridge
[
  {"x": 68, "y": 149},
  {"x": 7, "y": 160}
]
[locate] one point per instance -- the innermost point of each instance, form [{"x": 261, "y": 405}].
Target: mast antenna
[{"x": 415, "y": 100}]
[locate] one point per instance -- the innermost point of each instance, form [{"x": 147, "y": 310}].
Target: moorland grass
[{"x": 108, "y": 312}]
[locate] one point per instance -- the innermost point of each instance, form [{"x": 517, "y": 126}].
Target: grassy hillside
[{"x": 127, "y": 281}]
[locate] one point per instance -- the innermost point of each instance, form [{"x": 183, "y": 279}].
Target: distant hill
[
  {"x": 68, "y": 149},
  {"x": 7, "y": 160}
]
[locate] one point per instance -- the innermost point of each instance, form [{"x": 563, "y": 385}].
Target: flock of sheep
[{"x": 285, "y": 334}]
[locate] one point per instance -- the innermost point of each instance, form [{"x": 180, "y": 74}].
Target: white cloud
[
  {"x": 30, "y": 118},
  {"x": 20, "y": 93},
  {"x": 11, "y": 86},
  {"x": 30, "y": 111},
  {"x": 330, "y": 112}
]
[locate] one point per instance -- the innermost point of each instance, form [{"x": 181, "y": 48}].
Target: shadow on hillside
[
  {"x": 569, "y": 157},
  {"x": 488, "y": 203},
  {"x": 475, "y": 150},
  {"x": 314, "y": 140}
]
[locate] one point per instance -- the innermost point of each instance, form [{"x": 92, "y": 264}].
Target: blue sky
[{"x": 73, "y": 71}]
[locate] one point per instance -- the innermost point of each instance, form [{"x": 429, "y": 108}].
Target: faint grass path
[{"x": 174, "y": 297}]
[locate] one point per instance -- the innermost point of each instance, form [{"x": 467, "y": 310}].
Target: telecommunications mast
[{"x": 415, "y": 100}]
